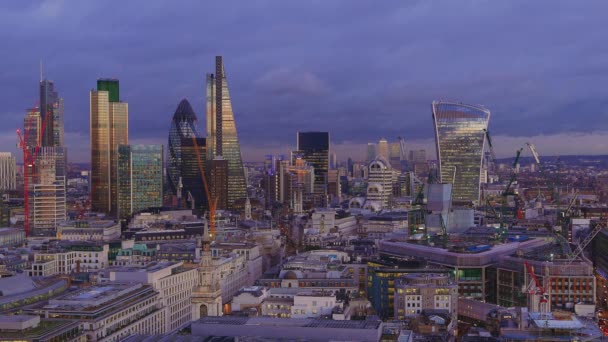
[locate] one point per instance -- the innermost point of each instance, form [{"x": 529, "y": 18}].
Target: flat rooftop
[{"x": 291, "y": 322}]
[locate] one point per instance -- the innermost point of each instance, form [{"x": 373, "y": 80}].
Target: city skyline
[{"x": 278, "y": 90}]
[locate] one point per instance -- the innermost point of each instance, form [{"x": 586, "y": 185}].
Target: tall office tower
[
  {"x": 349, "y": 166},
  {"x": 183, "y": 173},
  {"x": 334, "y": 188},
  {"x": 140, "y": 178},
  {"x": 371, "y": 152},
  {"x": 300, "y": 177},
  {"x": 51, "y": 112},
  {"x": 218, "y": 179},
  {"x": 31, "y": 125},
  {"x": 222, "y": 137},
  {"x": 109, "y": 129},
  {"x": 8, "y": 166},
  {"x": 460, "y": 139},
  {"x": 394, "y": 155},
  {"x": 313, "y": 147},
  {"x": 383, "y": 148},
  {"x": 333, "y": 161},
  {"x": 380, "y": 183},
  {"x": 47, "y": 194}
]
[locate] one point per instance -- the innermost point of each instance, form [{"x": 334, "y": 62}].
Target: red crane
[
  {"x": 29, "y": 160},
  {"x": 535, "y": 288}
]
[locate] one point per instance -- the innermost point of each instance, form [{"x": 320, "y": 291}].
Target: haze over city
[{"x": 361, "y": 70}]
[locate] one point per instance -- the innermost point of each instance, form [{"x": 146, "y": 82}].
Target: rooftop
[{"x": 293, "y": 322}]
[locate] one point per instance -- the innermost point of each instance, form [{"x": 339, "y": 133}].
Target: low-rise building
[
  {"x": 173, "y": 281},
  {"x": 30, "y": 328},
  {"x": 91, "y": 230},
  {"x": 425, "y": 292},
  {"x": 109, "y": 312},
  {"x": 68, "y": 257},
  {"x": 11, "y": 237}
]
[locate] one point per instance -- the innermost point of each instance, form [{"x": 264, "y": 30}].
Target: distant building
[
  {"x": 140, "y": 178},
  {"x": 371, "y": 152},
  {"x": 51, "y": 113},
  {"x": 313, "y": 147},
  {"x": 31, "y": 127},
  {"x": 8, "y": 177},
  {"x": 460, "y": 136},
  {"x": 383, "y": 150},
  {"x": 109, "y": 129},
  {"x": 222, "y": 138},
  {"x": 380, "y": 183}
]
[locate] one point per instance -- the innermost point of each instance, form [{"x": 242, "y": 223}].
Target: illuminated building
[
  {"x": 460, "y": 133},
  {"x": 109, "y": 129},
  {"x": 8, "y": 180},
  {"x": 222, "y": 139}
]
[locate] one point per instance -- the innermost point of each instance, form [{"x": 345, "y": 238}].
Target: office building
[
  {"x": 394, "y": 155},
  {"x": 425, "y": 292},
  {"x": 47, "y": 192},
  {"x": 140, "y": 178},
  {"x": 222, "y": 138},
  {"x": 313, "y": 147},
  {"x": 218, "y": 181},
  {"x": 109, "y": 129},
  {"x": 51, "y": 113},
  {"x": 109, "y": 312},
  {"x": 31, "y": 127},
  {"x": 8, "y": 180},
  {"x": 371, "y": 152},
  {"x": 380, "y": 183},
  {"x": 183, "y": 171},
  {"x": 460, "y": 134},
  {"x": 383, "y": 150},
  {"x": 174, "y": 283}
]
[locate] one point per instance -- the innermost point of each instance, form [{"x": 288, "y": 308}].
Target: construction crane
[
  {"x": 30, "y": 154},
  {"x": 535, "y": 291},
  {"x": 212, "y": 201},
  {"x": 581, "y": 246},
  {"x": 490, "y": 146}
]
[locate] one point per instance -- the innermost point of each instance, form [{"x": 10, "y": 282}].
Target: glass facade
[
  {"x": 460, "y": 139},
  {"x": 222, "y": 136},
  {"x": 140, "y": 178},
  {"x": 313, "y": 147},
  {"x": 109, "y": 129},
  {"x": 183, "y": 173}
]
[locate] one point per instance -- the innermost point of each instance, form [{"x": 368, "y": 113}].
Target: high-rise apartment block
[
  {"x": 222, "y": 138},
  {"x": 109, "y": 129},
  {"x": 140, "y": 178},
  {"x": 313, "y": 147},
  {"x": 8, "y": 180},
  {"x": 460, "y": 133}
]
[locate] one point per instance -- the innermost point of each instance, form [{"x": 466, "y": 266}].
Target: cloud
[
  {"x": 284, "y": 80},
  {"x": 358, "y": 69}
]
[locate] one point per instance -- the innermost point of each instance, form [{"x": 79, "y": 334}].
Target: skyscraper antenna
[{"x": 41, "y": 70}]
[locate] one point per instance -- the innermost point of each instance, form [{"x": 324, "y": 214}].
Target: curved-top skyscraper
[
  {"x": 460, "y": 135},
  {"x": 183, "y": 174}
]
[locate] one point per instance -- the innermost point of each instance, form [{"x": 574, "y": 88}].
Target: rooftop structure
[{"x": 292, "y": 328}]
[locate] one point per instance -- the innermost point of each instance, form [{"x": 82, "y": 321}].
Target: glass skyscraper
[
  {"x": 183, "y": 173},
  {"x": 109, "y": 129},
  {"x": 313, "y": 147},
  {"x": 51, "y": 113},
  {"x": 460, "y": 139},
  {"x": 222, "y": 139},
  {"x": 140, "y": 178}
]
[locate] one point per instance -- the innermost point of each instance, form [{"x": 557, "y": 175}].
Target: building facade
[
  {"x": 109, "y": 129},
  {"x": 140, "y": 178},
  {"x": 8, "y": 177},
  {"x": 313, "y": 147},
  {"x": 460, "y": 137},
  {"x": 183, "y": 173},
  {"x": 380, "y": 183},
  {"x": 222, "y": 138},
  {"x": 47, "y": 192}
]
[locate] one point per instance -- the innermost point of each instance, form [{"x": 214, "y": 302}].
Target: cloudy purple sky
[{"x": 361, "y": 69}]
